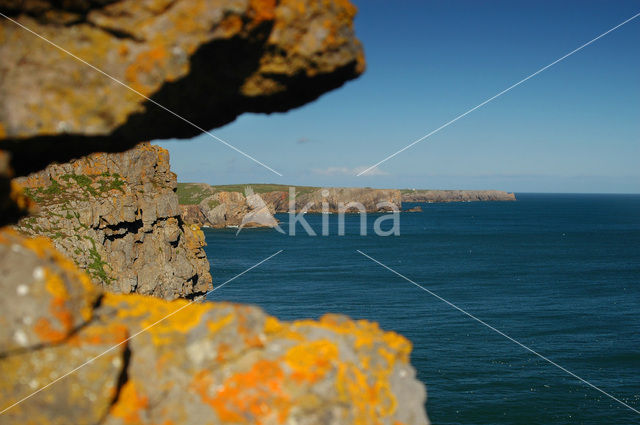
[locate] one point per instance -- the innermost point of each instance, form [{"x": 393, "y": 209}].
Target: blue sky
[{"x": 572, "y": 128}]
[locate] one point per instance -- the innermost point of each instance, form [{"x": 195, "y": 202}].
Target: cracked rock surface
[{"x": 117, "y": 216}]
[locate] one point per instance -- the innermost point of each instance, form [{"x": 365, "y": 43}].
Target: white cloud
[{"x": 346, "y": 171}]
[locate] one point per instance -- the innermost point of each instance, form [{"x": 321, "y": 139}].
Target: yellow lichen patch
[
  {"x": 348, "y": 10},
  {"x": 366, "y": 333},
  {"x": 161, "y": 319},
  {"x": 55, "y": 286},
  {"x": 216, "y": 325},
  {"x": 198, "y": 238},
  {"x": 130, "y": 404},
  {"x": 371, "y": 401},
  {"x": 273, "y": 327},
  {"x": 184, "y": 21},
  {"x": 252, "y": 397},
  {"x": 109, "y": 334},
  {"x": 351, "y": 385},
  {"x": 311, "y": 361},
  {"x": 366, "y": 385}
]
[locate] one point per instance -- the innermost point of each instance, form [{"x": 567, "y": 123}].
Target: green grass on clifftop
[{"x": 194, "y": 193}]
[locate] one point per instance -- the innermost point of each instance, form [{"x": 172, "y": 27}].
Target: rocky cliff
[
  {"x": 338, "y": 198},
  {"x": 116, "y": 215},
  {"x": 220, "y": 206},
  {"x": 217, "y": 206},
  {"x": 456, "y": 195}
]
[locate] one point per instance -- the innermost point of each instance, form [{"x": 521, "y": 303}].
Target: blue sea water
[{"x": 558, "y": 273}]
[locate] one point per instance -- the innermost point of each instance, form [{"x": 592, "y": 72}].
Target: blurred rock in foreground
[
  {"x": 206, "y": 60},
  {"x": 206, "y": 363}
]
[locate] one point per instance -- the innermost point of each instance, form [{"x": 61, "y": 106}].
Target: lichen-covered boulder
[
  {"x": 205, "y": 60},
  {"x": 188, "y": 363},
  {"x": 45, "y": 298}
]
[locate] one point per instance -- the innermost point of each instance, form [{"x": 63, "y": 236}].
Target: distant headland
[{"x": 226, "y": 205}]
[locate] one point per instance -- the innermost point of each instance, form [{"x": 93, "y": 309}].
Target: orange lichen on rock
[
  {"x": 112, "y": 334},
  {"x": 43, "y": 247},
  {"x": 250, "y": 337},
  {"x": 48, "y": 332},
  {"x": 252, "y": 397},
  {"x": 145, "y": 63}
]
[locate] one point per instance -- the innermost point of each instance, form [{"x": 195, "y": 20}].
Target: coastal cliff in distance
[
  {"x": 117, "y": 217},
  {"x": 429, "y": 196},
  {"x": 221, "y": 206},
  {"x": 226, "y": 205}
]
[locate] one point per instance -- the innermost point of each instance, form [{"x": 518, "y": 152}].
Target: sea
[{"x": 557, "y": 273}]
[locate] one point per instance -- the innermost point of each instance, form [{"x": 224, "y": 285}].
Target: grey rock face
[{"x": 117, "y": 217}]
